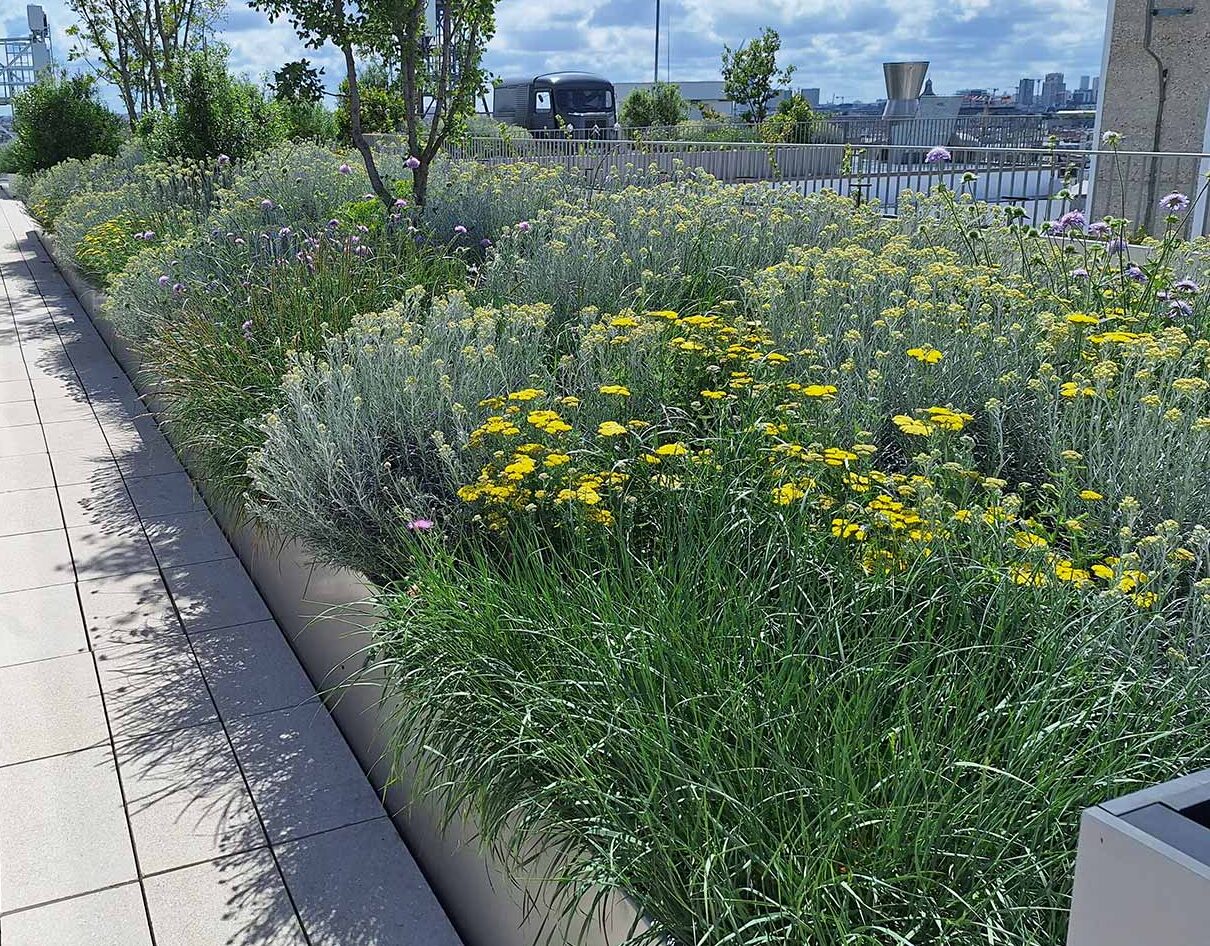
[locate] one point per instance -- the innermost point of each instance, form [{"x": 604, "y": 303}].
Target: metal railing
[{"x": 1043, "y": 182}]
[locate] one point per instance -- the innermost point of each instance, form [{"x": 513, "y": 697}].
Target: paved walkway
[{"x": 167, "y": 775}]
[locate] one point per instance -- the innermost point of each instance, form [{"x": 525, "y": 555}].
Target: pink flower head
[
  {"x": 523, "y": 226},
  {"x": 460, "y": 229},
  {"x": 420, "y": 525},
  {"x": 223, "y": 160},
  {"x": 412, "y": 162},
  {"x": 345, "y": 169},
  {"x": 937, "y": 155}
]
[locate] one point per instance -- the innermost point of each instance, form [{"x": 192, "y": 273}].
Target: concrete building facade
[{"x": 1156, "y": 95}]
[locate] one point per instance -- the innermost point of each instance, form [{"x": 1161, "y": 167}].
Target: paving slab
[
  {"x": 127, "y": 608},
  {"x": 109, "y": 548},
  {"x": 251, "y": 669},
  {"x": 232, "y": 901},
  {"x": 49, "y": 707},
  {"x": 29, "y": 510},
  {"x": 18, "y": 414},
  {"x": 62, "y": 831},
  {"x": 215, "y": 594},
  {"x": 304, "y": 777},
  {"x": 186, "y": 799},
  {"x": 21, "y": 441},
  {"x": 153, "y": 685},
  {"x": 35, "y": 560},
  {"x": 187, "y": 539},
  {"x": 359, "y": 885},
  {"x": 40, "y": 623},
  {"x": 28, "y": 472},
  {"x": 113, "y": 917},
  {"x": 163, "y": 494}
]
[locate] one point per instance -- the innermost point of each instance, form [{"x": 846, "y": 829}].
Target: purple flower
[
  {"x": 1180, "y": 307},
  {"x": 938, "y": 155},
  {"x": 163, "y": 280},
  {"x": 1079, "y": 273},
  {"x": 1175, "y": 203},
  {"x": 266, "y": 204},
  {"x": 485, "y": 243},
  {"x": 178, "y": 289},
  {"x": 345, "y": 169},
  {"x": 1072, "y": 220},
  {"x": 240, "y": 241},
  {"x": 333, "y": 224},
  {"x": 420, "y": 525},
  {"x": 460, "y": 229},
  {"x": 1133, "y": 272},
  {"x": 284, "y": 232},
  {"x": 1099, "y": 229},
  {"x": 223, "y": 160},
  {"x": 1116, "y": 245},
  {"x": 149, "y": 235},
  {"x": 523, "y": 226},
  {"x": 246, "y": 328},
  {"x": 412, "y": 162},
  {"x": 400, "y": 202},
  {"x": 1187, "y": 285}
]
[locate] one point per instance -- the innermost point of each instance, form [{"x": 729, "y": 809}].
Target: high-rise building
[
  {"x": 1025, "y": 93},
  {"x": 1054, "y": 91},
  {"x": 1084, "y": 83}
]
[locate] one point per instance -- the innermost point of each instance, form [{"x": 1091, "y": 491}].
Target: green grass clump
[{"x": 761, "y": 744}]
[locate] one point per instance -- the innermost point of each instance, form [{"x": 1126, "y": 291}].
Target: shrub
[
  {"x": 370, "y": 429},
  {"x": 50, "y": 190},
  {"x": 213, "y": 113},
  {"x": 382, "y": 111},
  {"x": 60, "y": 118},
  {"x": 661, "y": 105},
  {"x": 308, "y": 121}
]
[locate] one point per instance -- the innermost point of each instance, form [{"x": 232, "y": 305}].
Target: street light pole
[{"x": 656, "y": 75}]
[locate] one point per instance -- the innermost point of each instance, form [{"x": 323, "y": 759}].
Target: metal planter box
[{"x": 1143, "y": 868}]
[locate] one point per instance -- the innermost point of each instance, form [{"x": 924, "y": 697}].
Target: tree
[
  {"x": 662, "y": 104},
  {"x": 136, "y": 44},
  {"x": 439, "y": 77},
  {"x": 750, "y": 74},
  {"x": 298, "y": 82},
  {"x": 794, "y": 122},
  {"x": 60, "y": 118}
]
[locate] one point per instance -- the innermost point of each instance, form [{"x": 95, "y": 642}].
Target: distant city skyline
[{"x": 837, "y": 47}]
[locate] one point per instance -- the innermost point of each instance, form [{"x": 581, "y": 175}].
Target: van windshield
[{"x": 578, "y": 101}]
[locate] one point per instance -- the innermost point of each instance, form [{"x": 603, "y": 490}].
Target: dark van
[{"x": 547, "y": 104}]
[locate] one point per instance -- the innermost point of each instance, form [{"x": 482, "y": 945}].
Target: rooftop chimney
[{"x": 904, "y": 81}]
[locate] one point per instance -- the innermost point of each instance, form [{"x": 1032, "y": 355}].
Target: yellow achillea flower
[
  {"x": 526, "y": 394},
  {"x": 787, "y": 493},
  {"x": 926, "y": 354},
  {"x": 521, "y": 467},
  {"x": 1083, "y": 318},
  {"x": 611, "y": 428},
  {"x": 946, "y": 419},
  {"x": 911, "y": 425},
  {"x": 820, "y": 390},
  {"x": 618, "y": 390},
  {"x": 672, "y": 450},
  {"x": 1075, "y": 389},
  {"x": 845, "y": 529},
  {"x": 556, "y": 459},
  {"x": 1090, "y": 495},
  {"x": 714, "y": 395},
  {"x": 837, "y": 456},
  {"x": 1028, "y": 540}
]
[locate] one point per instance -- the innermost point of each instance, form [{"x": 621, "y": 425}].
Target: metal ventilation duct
[{"x": 904, "y": 80}]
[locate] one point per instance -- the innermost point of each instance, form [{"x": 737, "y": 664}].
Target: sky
[{"x": 836, "y": 45}]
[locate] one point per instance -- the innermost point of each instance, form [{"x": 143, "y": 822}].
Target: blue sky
[{"x": 837, "y": 45}]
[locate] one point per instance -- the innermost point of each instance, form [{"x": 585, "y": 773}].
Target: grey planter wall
[{"x": 311, "y": 603}]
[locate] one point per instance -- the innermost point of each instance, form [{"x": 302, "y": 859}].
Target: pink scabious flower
[
  {"x": 937, "y": 155},
  {"x": 1072, "y": 220},
  {"x": 163, "y": 280},
  {"x": 400, "y": 202},
  {"x": 223, "y": 160},
  {"x": 420, "y": 525},
  {"x": 345, "y": 169},
  {"x": 523, "y": 226},
  {"x": 246, "y": 328},
  {"x": 412, "y": 162},
  {"x": 1099, "y": 229},
  {"x": 1175, "y": 203},
  {"x": 266, "y": 204},
  {"x": 460, "y": 229}
]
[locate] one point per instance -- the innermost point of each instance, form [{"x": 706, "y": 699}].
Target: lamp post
[{"x": 656, "y": 73}]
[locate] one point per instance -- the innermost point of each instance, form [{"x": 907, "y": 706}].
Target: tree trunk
[
  {"x": 420, "y": 186},
  {"x": 359, "y": 139}
]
